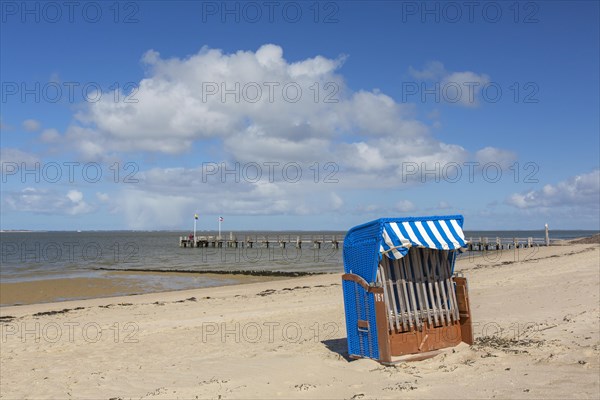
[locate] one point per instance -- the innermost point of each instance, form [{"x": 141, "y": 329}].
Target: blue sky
[{"x": 384, "y": 114}]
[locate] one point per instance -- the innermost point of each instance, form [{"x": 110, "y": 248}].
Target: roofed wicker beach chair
[{"x": 401, "y": 296}]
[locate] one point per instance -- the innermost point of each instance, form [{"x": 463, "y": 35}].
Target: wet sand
[{"x": 115, "y": 283}]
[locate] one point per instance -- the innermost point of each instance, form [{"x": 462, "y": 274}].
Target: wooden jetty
[
  {"x": 333, "y": 242},
  {"x": 487, "y": 244},
  {"x": 264, "y": 241}
]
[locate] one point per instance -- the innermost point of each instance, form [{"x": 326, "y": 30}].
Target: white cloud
[
  {"x": 463, "y": 87},
  {"x": 171, "y": 194},
  {"x": 362, "y": 156},
  {"x": 581, "y": 191},
  {"x": 176, "y": 107},
  {"x": 44, "y": 201},
  {"x": 487, "y": 155},
  {"x": 78, "y": 205},
  {"x": 103, "y": 197},
  {"x": 31, "y": 125},
  {"x": 12, "y": 155},
  {"x": 459, "y": 87},
  {"x": 75, "y": 196},
  {"x": 366, "y": 134},
  {"x": 169, "y": 207},
  {"x": 89, "y": 142}
]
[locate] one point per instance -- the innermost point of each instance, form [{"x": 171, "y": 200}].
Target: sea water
[{"x": 47, "y": 255}]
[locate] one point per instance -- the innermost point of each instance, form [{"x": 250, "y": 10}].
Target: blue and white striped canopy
[{"x": 440, "y": 234}]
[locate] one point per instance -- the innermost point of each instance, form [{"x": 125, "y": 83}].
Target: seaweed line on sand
[
  {"x": 218, "y": 272},
  {"x": 482, "y": 266}
]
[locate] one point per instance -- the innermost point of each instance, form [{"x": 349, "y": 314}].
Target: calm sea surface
[{"x": 45, "y": 255}]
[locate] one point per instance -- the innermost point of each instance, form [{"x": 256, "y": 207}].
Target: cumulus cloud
[
  {"x": 78, "y": 206},
  {"x": 262, "y": 107},
  {"x": 212, "y": 94},
  {"x": 458, "y": 87},
  {"x": 578, "y": 191},
  {"x": 75, "y": 196},
  {"x": 258, "y": 107}
]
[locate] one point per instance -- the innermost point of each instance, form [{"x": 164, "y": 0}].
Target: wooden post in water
[
  {"x": 316, "y": 242},
  {"x": 195, "y": 220},
  {"x": 334, "y": 243}
]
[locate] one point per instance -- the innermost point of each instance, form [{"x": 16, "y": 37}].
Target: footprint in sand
[{"x": 304, "y": 386}]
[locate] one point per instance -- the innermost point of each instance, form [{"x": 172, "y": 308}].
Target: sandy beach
[{"x": 537, "y": 331}]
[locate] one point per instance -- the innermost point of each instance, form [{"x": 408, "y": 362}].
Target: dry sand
[{"x": 536, "y": 318}]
